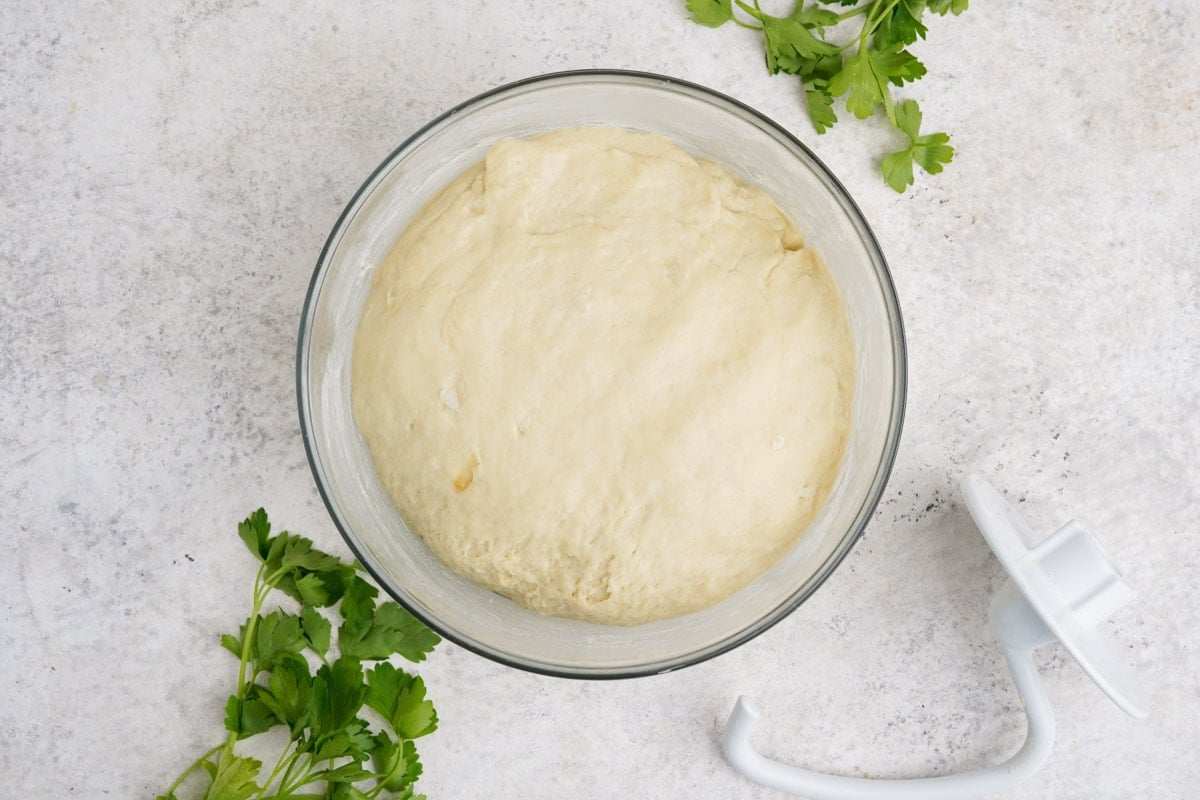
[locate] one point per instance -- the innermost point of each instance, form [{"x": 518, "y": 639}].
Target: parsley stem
[
  {"x": 756, "y": 14},
  {"x": 854, "y": 12},
  {"x": 874, "y": 19},
  {"x": 866, "y": 31},
  {"x": 251, "y": 627},
  {"x": 247, "y": 641},
  {"x": 754, "y": 11},
  {"x": 291, "y": 764},
  {"x": 301, "y": 779},
  {"x": 889, "y": 108},
  {"x": 275, "y": 771},
  {"x": 194, "y": 766}
]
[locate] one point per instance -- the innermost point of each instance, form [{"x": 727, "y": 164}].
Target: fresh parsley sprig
[
  {"x": 863, "y": 70},
  {"x": 334, "y": 751}
]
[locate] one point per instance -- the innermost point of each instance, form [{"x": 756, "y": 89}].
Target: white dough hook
[{"x": 1057, "y": 591}]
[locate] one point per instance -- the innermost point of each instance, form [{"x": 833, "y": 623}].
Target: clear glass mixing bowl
[{"x": 706, "y": 124}]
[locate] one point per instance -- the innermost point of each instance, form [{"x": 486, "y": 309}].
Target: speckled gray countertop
[{"x": 168, "y": 174}]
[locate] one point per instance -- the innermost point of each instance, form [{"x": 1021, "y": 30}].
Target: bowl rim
[{"x": 844, "y": 546}]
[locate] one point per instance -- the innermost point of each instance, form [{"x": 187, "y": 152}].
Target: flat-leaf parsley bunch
[
  {"x": 863, "y": 70},
  {"x": 333, "y": 751}
]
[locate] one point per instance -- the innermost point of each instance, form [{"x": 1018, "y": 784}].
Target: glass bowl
[{"x": 707, "y": 124}]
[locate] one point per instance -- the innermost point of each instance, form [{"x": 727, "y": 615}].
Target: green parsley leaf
[
  {"x": 288, "y": 693},
  {"x": 390, "y": 630},
  {"x": 233, "y": 778},
  {"x": 397, "y": 762},
  {"x": 820, "y": 105},
  {"x": 358, "y": 605},
  {"x": 897, "y": 65},
  {"x": 412, "y": 764},
  {"x": 321, "y": 588},
  {"x": 400, "y": 699},
  {"x": 931, "y": 150},
  {"x": 232, "y": 643},
  {"x": 943, "y": 6},
  {"x": 316, "y": 630},
  {"x": 384, "y": 683},
  {"x": 278, "y": 633},
  {"x": 290, "y": 552},
  {"x": 338, "y": 692},
  {"x": 866, "y": 74},
  {"x": 903, "y": 25},
  {"x": 354, "y": 741},
  {"x": 414, "y": 716},
  {"x": 335, "y": 581},
  {"x": 862, "y": 84},
  {"x": 789, "y": 42},
  {"x": 713, "y": 13},
  {"x": 908, "y": 119},
  {"x": 362, "y": 741},
  {"x": 247, "y": 716},
  {"x": 898, "y": 169},
  {"x": 345, "y": 774},
  {"x": 822, "y": 69},
  {"x": 311, "y": 590},
  {"x": 255, "y": 531},
  {"x": 388, "y": 762}
]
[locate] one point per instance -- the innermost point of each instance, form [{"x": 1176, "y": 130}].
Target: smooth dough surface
[{"x": 604, "y": 378}]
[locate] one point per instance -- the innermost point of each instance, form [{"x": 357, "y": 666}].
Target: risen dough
[{"x": 604, "y": 378}]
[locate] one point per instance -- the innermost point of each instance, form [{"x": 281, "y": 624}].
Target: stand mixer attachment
[{"x": 1059, "y": 590}]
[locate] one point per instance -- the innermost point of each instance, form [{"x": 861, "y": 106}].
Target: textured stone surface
[{"x": 169, "y": 173}]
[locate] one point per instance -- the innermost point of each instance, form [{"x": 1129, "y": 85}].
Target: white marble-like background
[{"x": 168, "y": 174}]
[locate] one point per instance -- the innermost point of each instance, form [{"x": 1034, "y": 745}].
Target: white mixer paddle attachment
[{"x": 1057, "y": 591}]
